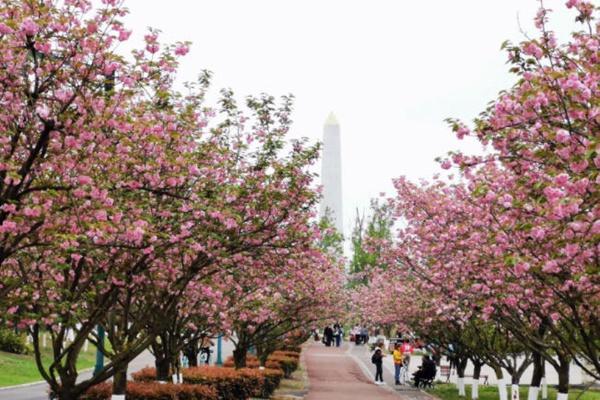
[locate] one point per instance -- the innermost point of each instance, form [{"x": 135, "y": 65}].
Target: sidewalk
[{"x": 339, "y": 374}]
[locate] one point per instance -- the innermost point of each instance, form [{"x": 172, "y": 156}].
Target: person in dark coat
[
  {"x": 426, "y": 371},
  {"x": 328, "y": 336},
  {"x": 377, "y": 359}
]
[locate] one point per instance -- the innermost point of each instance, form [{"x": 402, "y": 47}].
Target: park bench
[{"x": 445, "y": 371}]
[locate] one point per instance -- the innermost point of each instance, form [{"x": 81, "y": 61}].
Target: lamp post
[
  {"x": 109, "y": 85},
  {"x": 99, "y": 351},
  {"x": 219, "y": 361}
]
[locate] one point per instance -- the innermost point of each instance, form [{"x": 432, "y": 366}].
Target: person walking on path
[
  {"x": 364, "y": 334},
  {"x": 377, "y": 359},
  {"x": 328, "y": 336},
  {"x": 397, "y": 363},
  {"x": 338, "y": 334}
]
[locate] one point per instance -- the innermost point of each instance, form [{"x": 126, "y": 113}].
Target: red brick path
[{"x": 335, "y": 375}]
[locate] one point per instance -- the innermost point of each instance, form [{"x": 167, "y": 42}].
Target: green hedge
[{"x": 12, "y": 342}]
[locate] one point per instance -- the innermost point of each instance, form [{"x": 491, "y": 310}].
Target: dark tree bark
[
  {"x": 240, "y": 355},
  {"x": 163, "y": 368},
  {"x": 461, "y": 365},
  {"x": 538, "y": 370},
  {"x": 120, "y": 381},
  {"x": 563, "y": 373},
  {"x": 477, "y": 364},
  {"x": 191, "y": 351}
]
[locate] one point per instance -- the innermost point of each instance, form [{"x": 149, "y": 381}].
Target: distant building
[{"x": 331, "y": 174}]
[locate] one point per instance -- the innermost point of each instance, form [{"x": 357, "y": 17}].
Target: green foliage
[
  {"x": 374, "y": 228},
  {"x": 332, "y": 241},
  {"x": 12, "y": 342}
]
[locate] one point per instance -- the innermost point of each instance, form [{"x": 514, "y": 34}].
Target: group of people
[
  {"x": 360, "y": 334},
  {"x": 333, "y": 335},
  {"x": 401, "y": 355}
]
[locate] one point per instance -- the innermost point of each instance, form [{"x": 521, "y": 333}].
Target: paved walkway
[{"x": 345, "y": 374}]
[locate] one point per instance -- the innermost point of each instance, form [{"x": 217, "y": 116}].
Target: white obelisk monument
[{"x": 331, "y": 174}]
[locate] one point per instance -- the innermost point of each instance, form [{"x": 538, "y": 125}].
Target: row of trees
[
  {"x": 502, "y": 267},
  {"x": 127, "y": 204}
]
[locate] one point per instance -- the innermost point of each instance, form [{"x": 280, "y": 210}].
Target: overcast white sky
[{"x": 391, "y": 70}]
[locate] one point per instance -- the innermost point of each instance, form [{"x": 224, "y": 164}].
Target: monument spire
[{"x": 331, "y": 173}]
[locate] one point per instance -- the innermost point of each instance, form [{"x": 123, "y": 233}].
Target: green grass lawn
[
  {"x": 18, "y": 369},
  {"x": 490, "y": 392}
]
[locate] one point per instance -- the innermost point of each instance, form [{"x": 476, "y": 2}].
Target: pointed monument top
[{"x": 331, "y": 119}]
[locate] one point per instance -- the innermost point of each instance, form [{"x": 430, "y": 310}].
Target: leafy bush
[
  {"x": 12, "y": 342},
  {"x": 287, "y": 364},
  {"x": 285, "y": 353},
  {"x": 229, "y": 383},
  {"x": 252, "y": 362},
  {"x": 270, "y": 379},
  {"x": 154, "y": 391},
  {"x": 147, "y": 374},
  {"x": 292, "y": 348},
  {"x": 101, "y": 391}
]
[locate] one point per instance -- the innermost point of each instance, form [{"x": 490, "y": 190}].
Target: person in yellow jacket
[{"x": 397, "y": 362}]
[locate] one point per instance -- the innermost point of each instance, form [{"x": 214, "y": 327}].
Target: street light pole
[
  {"x": 99, "y": 351},
  {"x": 109, "y": 85},
  {"x": 219, "y": 361}
]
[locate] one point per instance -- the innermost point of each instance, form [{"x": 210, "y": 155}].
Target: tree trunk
[
  {"x": 477, "y": 364},
  {"x": 437, "y": 356},
  {"x": 66, "y": 395},
  {"x": 176, "y": 369},
  {"x": 120, "y": 382},
  {"x": 563, "y": 377},
  {"x": 239, "y": 356},
  {"x": 514, "y": 387},
  {"x": 262, "y": 355},
  {"x": 191, "y": 352},
  {"x": 163, "y": 367},
  {"x": 502, "y": 392},
  {"x": 536, "y": 377},
  {"x": 461, "y": 365}
]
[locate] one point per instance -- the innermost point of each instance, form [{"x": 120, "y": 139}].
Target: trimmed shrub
[
  {"x": 273, "y": 364},
  {"x": 284, "y": 353},
  {"x": 147, "y": 374},
  {"x": 251, "y": 362},
  {"x": 169, "y": 391},
  {"x": 270, "y": 380},
  {"x": 154, "y": 391},
  {"x": 293, "y": 348},
  {"x": 287, "y": 364},
  {"x": 101, "y": 391},
  {"x": 12, "y": 342},
  {"x": 229, "y": 383}
]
